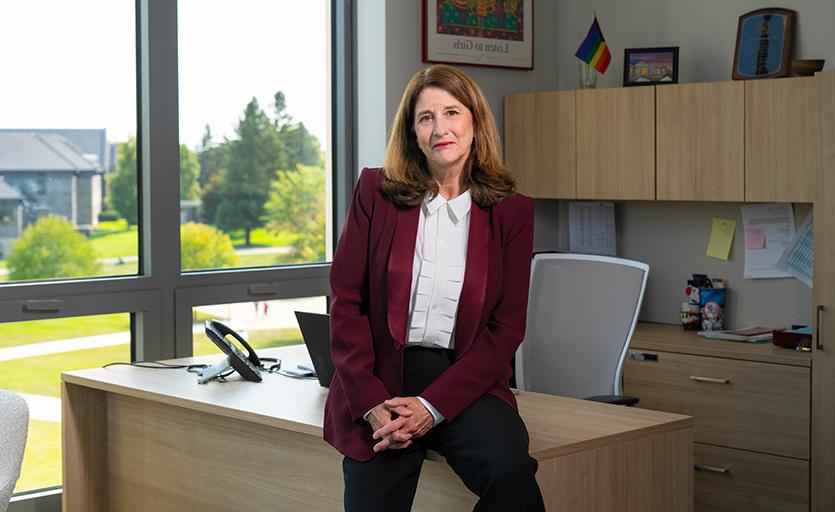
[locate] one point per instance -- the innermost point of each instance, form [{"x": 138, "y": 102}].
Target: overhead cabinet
[
  {"x": 780, "y": 130},
  {"x": 725, "y": 141},
  {"x": 540, "y": 148},
  {"x": 700, "y": 143},
  {"x": 616, "y": 143}
]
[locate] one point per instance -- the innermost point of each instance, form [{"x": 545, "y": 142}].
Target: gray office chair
[
  {"x": 582, "y": 311},
  {"x": 14, "y": 425}
]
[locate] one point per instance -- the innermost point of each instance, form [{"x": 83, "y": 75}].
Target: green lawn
[
  {"x": 41, "y": 375},
  {"x": 115, "y": 239},
  {"x": 42, "y": 459},
  {"x": 35, "y": 331},
  {"x": 259, "y": 238}
]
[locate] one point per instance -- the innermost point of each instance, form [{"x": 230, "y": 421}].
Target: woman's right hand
[{"x": 381, "y": 416}]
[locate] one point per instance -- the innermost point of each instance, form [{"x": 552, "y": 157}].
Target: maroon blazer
[{"x": 371, "y": 279}]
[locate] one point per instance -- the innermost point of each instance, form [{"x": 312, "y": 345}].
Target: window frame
[{"x": 161, "y": 295}]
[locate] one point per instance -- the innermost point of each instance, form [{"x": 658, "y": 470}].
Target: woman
[{"x": 429, "y": 297}]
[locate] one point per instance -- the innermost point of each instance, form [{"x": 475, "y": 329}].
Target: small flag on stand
[{"x": 594, "y": 50}]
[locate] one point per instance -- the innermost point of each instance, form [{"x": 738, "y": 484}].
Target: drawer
[
  {"x": 752, "y": 481},
  {"x": 761, "y": 407}
]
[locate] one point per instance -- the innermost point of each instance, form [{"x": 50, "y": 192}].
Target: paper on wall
[
  {"x": 591, "y": 227},
  {"x": 798, "y": 258},
  {"x": 776, "y": 221}
]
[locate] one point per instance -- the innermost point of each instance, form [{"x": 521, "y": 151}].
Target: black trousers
[{"x": 486, "y": 446}]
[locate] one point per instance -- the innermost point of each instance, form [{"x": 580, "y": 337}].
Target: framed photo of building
[
  {"x": 763, "y": 44},
  {"x": 495, "y": 33},
  {"x": 650, "y": 66}
]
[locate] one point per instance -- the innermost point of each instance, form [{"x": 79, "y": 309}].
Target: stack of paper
[{"x": 750, "y": 334}]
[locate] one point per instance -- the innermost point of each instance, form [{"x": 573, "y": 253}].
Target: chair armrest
[{"x": 626, "y": 400}]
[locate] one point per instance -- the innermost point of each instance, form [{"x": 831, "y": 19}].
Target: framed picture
[
  {"x": 763, "y": 44},
  {"x": 495, "y": 33},
  {"x": 650, "y": 66}
]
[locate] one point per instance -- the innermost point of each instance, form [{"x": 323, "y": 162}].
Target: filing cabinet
[{"x": 751, "y": 405}]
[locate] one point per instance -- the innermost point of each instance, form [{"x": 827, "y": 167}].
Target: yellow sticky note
[{"x": 721, "y": 237}]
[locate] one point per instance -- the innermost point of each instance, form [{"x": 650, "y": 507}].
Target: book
[{"x": 750, "y": 334}]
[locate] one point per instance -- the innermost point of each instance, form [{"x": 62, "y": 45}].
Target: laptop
[{"x": 315, "y": 330}]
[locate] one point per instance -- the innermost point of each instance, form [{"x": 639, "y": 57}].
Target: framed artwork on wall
[
  {"x": 495, "y": 33},
  {"x": 650, "y": 66},
  {"x": 763, "y": 44}
]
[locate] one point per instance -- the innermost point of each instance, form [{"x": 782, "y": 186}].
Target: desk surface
[{"x": 557, "y": 425}]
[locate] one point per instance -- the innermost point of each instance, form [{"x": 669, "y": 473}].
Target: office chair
[
  {"x": 582, "y": 311},
  {"x": 14, "y": 425}
]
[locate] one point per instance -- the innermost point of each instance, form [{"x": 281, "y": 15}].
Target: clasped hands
[{"x": 412, "y": 420}]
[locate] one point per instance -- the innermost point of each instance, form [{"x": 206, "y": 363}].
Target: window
[
  {"x": 67, "y": 143},
  {"x": 32, "y": 356},
  {"x": 254, "y": 144},
  {"x": 114, "y": 212}
]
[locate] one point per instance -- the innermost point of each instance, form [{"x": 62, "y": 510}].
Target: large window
[
  {"x": 67, "y": 139},
  {"x": 254, "y": 144},
  {"x": 120, "y": 116}
]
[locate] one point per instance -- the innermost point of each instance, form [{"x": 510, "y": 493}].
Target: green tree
[
  {"x": 253, "y": 160},
  {"x": 121, "y": 184},
  {"x": 212, "y": 157},
  {"x": 205, "y": 247},
  {"x": 297, "y": 207},
  {"x": 189, "y": 174},
  {"x": 50, "y": 249},
  {"x": 300, "y": 146}
]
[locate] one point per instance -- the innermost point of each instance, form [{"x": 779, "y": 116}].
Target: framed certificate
[{"x": 763, "y": 44}]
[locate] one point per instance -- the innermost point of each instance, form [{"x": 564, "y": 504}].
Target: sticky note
[
  {"x": 755, "y": 239},
  {"x": 721, "y": 237}
]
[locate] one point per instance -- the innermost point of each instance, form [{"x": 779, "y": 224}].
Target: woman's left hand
[{"x": 416, "y": 425}]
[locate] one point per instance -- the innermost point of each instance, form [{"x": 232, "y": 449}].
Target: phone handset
[{"x": 247, "y": 365}]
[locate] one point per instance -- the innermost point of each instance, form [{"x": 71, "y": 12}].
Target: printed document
[
  {"x": 769, "y": 229},
  {"x": 591, "y": 227}
]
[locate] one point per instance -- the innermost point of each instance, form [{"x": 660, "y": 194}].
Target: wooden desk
[{"x": 137, "y": 439}]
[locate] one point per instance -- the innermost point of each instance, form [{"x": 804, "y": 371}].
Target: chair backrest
[
  {"x": 14, "y": 425},
  {"x": 582, "y": 311}
]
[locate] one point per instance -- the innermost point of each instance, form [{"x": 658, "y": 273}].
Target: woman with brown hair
[{"x": 429, "y": 297}]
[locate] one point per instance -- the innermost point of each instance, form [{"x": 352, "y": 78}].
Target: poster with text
[{"x": 497, "y": 33}]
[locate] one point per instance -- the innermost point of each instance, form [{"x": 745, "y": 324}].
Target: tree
[
  {"x": 189, "y": 173},
  {"x": 297, "y": 207},
  {"x": 253, "y": 160},
  {"x": 281, "y": 117},
  {"x": 50, "y": 249},
  {"x": 122, "y": 183},
  {"x": 301, "y": 147},
  {"x": 212, "y": 157},
  {"x": 205, "y": 247}
]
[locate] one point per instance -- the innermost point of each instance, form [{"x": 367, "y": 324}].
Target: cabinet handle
[
  {"x": 709, "y": 379},
  {"x": 711, "y": 469},
  {"x": 818, "y": 327}
]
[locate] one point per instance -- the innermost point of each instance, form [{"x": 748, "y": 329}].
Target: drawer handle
[
  {"x": 818, "y": 327},
  {"x": 709, "y": 379},
  {"x": 711, "y": 469}
]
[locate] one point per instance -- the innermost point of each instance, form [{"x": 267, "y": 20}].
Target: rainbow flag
[{"x": 594, "y": 50}]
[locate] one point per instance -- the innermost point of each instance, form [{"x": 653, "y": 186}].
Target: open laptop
[{"x": 315, "y": 330}]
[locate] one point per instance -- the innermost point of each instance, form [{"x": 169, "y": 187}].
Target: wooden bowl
[{"x": 807, "y": 67}]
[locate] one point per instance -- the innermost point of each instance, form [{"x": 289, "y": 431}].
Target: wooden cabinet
[
  {"x": 700, "y": 142},
  {"x": 823, "y": 358},
  {"x": 751, "y": 408},
  {"x": 780, "y": 131},
  {"x": 616, "y": 143},
  {"x": 540, "y": 148}
]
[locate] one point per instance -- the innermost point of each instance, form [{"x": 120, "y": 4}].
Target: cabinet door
[
  {"x": 781, "y": 125},
  {"x": 540, "y": 143},
  {"x": 823, "y": 360},
  {"x": 700, "y": 142},
  {"x": 616, "y": 143}
]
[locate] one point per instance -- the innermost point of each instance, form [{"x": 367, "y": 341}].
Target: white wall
[{"x": 704, "y": 31}]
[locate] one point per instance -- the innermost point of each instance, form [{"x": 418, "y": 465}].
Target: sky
[{"x": 73, "y": 64}]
